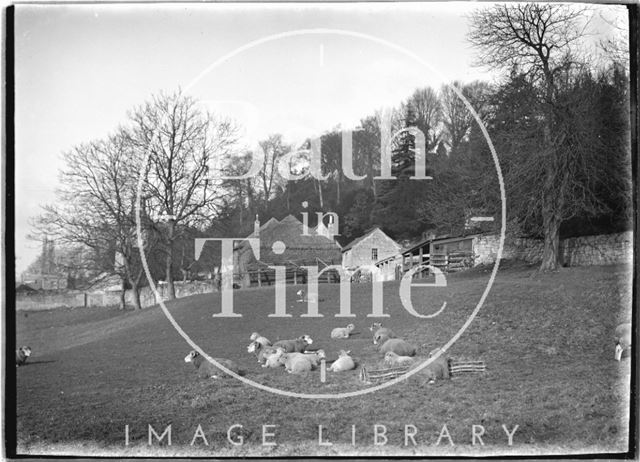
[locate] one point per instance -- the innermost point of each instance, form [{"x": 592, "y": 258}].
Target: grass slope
[{"x": 546, "y": 340}]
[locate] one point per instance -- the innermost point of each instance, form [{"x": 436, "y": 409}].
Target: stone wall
[
  {"x": 603, "y": 249},
  {"x": 79, "y": 299}
]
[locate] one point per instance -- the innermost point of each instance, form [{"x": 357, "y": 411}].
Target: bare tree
[
  {"x": 537, "y": 39},
  {"x": 274, "y": 148},
  {"x": 182, "y": 143},
  {"x": 456, "y": 117},
  {"x": 96, "y": 207}
]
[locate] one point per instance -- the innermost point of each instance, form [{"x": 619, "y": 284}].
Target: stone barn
[
  {"x": 374, "y": 246},
  {"x": 314, "y": 248}
]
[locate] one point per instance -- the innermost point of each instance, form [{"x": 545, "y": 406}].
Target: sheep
[
  {"x": 343, "y": 363},
  {"x": 256, "y": 337},
  {"x": 273, "y": 360},
  {"x": 392, "y": 359},
  {"x": 296, "y": 363},
  {"x": 207, "y": 369},
  {"x": 260, "y": 351},
  {"x": 22, "y": 354},
  {"x": 298, "y": 345},
  {"x": 438, "y": 369},
  {"x": 398, "y": 346},
  {"x": 623, "y": 340},
  {"x": 313, "y": 358},
  {"x": 303, "y": 297},
  {"x": 381, "y": 334},
  {"x": 342, "y": 332}
]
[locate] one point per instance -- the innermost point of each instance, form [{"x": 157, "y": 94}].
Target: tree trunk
[
  {"x": 171, "y": 290},
  {"x": 135, "y": 292},
  {"x": 551, "y": 257},
  {"x": 123, "y": 295}
]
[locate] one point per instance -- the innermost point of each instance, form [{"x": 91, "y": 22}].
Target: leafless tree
[
  {"x": 274, "y": 148},
  {"x": 96, "y": 207},
  {"x": 456, "y": 117},
  {"x": 182, "y": 144},
  {"x": 538, "y": 39}
]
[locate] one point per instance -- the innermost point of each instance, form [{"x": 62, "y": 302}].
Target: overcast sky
[{"x": 80, "y": 68}]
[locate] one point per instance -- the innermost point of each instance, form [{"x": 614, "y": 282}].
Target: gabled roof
[{"x": 357, "y": 240}]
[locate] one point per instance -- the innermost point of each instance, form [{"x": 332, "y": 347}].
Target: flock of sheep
[{"x": 296, "y": 357}]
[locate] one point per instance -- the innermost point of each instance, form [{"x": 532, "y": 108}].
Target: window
[{"x": 374, "y": 254}]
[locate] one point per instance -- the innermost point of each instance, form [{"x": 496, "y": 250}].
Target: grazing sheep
[
  {"x": 260, "y": 351},
  {"x": 256, "y": 337},
  {"x": 343, "y": 363},
  {"x": 298, "y": 345},
  {"x": 392, "y": 359},
  {"x": 22, "y": 354},
  {"x": 398, "y": 346},
  {"x": 381, "y": 334},
  {"x": 207, "y": 369},
  {"x": 623, "y": 340},
  {"x": 342, "y": 332},
  {"x": 273, "y": 360}
]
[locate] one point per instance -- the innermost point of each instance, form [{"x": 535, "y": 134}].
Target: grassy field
[{"x": 546, "y": 340}]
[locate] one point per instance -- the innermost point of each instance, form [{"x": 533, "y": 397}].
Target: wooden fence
[{"x": 456, "y": 367}]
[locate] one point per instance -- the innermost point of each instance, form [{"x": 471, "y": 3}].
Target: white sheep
[
  {"x": 298, "y": 345},
  {"x": 622, "y": 339},
  {"x": 343, "y": 363},
  {"x": 260, "y": 351},
  {"x": 256, "y": 337},
  {"x": 392, "y": 359},
  {"x": 207, "y": 369},
  {"x": 273, "y": 360},
  {"x": 342, "y": 332},
  {"x": 313, "y": 358},
  {"x": 296, "y": 363},
  {"x": 438, "y": 369},
  {"x": 22, "y": 354},
  {"x": 381, "y": 334},
  {"x": 398, "y": 346}
]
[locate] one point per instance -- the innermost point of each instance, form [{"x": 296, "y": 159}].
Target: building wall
[
  {"x": 602, "y": 249},
  {"x": 360, "y": 254}
]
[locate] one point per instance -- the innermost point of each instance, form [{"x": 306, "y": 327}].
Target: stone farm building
[
  {"x": 368, "y": 249},
  {"x": 314, "y": 248}
]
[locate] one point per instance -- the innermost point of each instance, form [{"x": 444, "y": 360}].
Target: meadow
[{"x": 99, "y": 377}]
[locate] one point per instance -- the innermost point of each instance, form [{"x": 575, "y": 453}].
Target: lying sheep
[
  {"x": 22, "y": 354},
  {"x": 256, "y": 337},
  {"x": 381, "y": 334},
  {"x": 298, "y": 345},
  {"x": 392, "y": 359},
  {"x": 342, "y": 332},
  {"x": 273, "y": 359},
  {"x": 260, "y": 351},
  {"x": 343, "y": 363},
  {"x": 296, "y": 363},
  {"x": 398, "y": 346},
  {"x": 207, "y": 369},
  {"x": 314, "y": 358},
  {"x": 438, "y": 369},
  {"x": 622, "y": 338}
]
